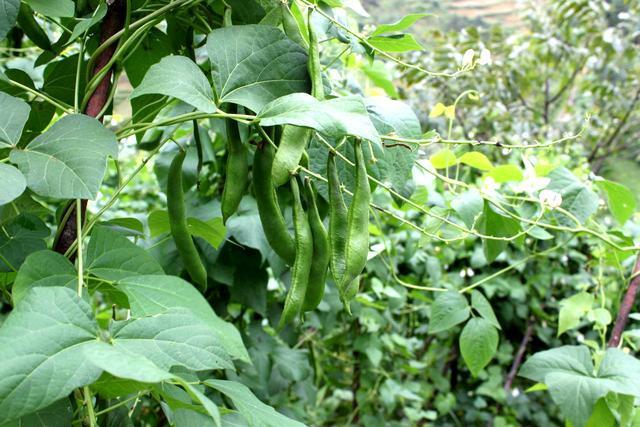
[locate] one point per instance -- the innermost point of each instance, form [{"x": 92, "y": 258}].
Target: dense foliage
[{"x": 267, "y": 213}]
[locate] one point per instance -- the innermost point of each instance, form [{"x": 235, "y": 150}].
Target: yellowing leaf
[
  {"x": 572, "y": 309},
  {"x": 506, "y": 173},
  {"x": 437, "y": 110},
  {"x": 450, "y": 112},
  {"x": 443, "y": 159},
  {"x": 476, "y": 160}
]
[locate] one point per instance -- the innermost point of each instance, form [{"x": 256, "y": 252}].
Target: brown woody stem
[
  {"x": 625, "y": 307},
  {"x": 517, "y": 361},
  {"x": 112, "y": 23}
]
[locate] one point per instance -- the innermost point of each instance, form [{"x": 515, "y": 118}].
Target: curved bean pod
[
  {"x": 302, "y": 265},
  {"x": 178, "y": 223},
  {"x": 275, "y": 227}
]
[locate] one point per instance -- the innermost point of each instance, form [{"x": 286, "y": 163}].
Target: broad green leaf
[
  {"x": 572, "y": 309},
  {"x": 58, "y": 414},
  {"x": 128, "y": 226},
  {"x": 188, "y": 407},
  {"x": 213, "y": 231},
  {"x": 495, "y": 224},
  {"x": 254, "y": 64},
  {"x": 22, "y": 235},
  {"x": 150, "y": 295},
  {"x": 402, "y": 24},
  {"x": 569, "y": 373},
  {"x": 122, "y": 364},
  {"x": 53, "y": 8},
  {"x": 14, "y": 113},
  {"x": 447, "y": 310},
  {"x": 58, "y": 76},
  {"x": 601, "y": 316},
  {"x": 250, "y": 407},
  {"x": 152, "y": 49},
  {"x": 175, "y": 337},
  {"x": 43, "y": 268},
  {"x": 380, "y": 76},
  {"x": 41, "y": 348},
  {"x": 506, "y": 173},
  {"x": 12, "y": 183},
  {"x": 395, "y": 43},
  {"x": 443, "y": 159},
  {"x": 468, "y": 206},
  {"x": 621, "y": 200},
  {"x": 178, "y": 77},
  {"x": 334, "y": 118},
  {"x": 8, "y": 15},
  {"x": 478, "y": 344},
  {"x": 85, "y": 24},
  {"x": 601, "y": 416},
  {"x": 477, "y": 160},
  {"x": 68, "y": 161},
  {"x": 292, "y": 363},
  {"x": 577, "y": 198},
  {"x": 391, "y": 116},
  {"x": 206, "y": 403},
  {"x": 246, "y": 228},
  {"x": 112, "y": 256},
  {"x": 395, "y": 164},
  {"x": 482, "y": 305}
]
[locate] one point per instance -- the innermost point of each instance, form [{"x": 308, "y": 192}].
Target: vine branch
[
  {"x": 112, "y": 23},
  {"x": 625, "y": 306}
]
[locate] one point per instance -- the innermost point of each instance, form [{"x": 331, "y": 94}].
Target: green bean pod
[
  {"x": 338, "y": 223},
  {"x": 320, "y": 263},
  {"x": 178, "y": 223},
  {"x": 357, "y": 248},
  {"x": 237, "y": 175},
  {"x": 293, "y": 142},
  {"x": 30, "y": 26},
  {"x": 302, "y": 265},
  {"x": 314, "y": 66},
  {"x": 291, "y": 26},
  {"x": 273, "y": 223}
]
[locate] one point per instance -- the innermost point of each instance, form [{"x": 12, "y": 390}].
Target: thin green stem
[
  {"x": 114, "y": 198},
  {"x": 152, "y": 16},
  {"x": 364, "y": 40},
  {"x": 119, "y": 404},
  {"x": 88, "y": 401},
  {"x": 66, "y": 108},
  {"x": 79, "y": 245}
]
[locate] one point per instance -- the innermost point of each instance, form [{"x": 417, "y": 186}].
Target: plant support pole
[
  {"x": 625, "y": 306},
  {"x": 112, "y": 23}
]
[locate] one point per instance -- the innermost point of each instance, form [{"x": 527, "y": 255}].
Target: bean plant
[{"x": 275, "y": 213}]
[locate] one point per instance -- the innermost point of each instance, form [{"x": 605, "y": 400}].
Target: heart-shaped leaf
[{"x": 68, "y": 161}]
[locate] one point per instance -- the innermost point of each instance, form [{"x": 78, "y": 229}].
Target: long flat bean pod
[
  {"x": 338, "y": 222},
  {"x": 320, "y": 264},
  {"x": 237, "y": 175},
  {"x": 273, "y": 223},
  {"x": 313, "y": 65},
  {"x": 302, "y": 265},
  {"x": 357, "y": 247},
  {"x": 178, "y": 223},
  {"x": 293, "y": 142}
]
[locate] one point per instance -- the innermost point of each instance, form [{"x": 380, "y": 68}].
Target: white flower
[
  {"x": 550, "y": 199},
  {"x": 485, "y": 57},
  {"x": 531, "y": 181},
  {"x": 489, "y": 186},
  {"x": 467, "y": 58}
]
